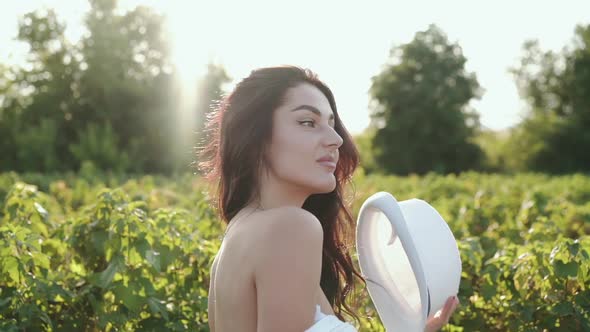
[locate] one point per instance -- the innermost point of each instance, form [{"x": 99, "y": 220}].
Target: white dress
[{"x": 325, "y": 323}]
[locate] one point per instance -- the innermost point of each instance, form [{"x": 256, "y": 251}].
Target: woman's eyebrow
[{"x": 312, "y": 109}]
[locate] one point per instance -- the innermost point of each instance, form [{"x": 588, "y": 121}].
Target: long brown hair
[{"x": 239, "y": 131}]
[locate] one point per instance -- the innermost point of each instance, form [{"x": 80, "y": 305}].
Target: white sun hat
[{"x": 409, "y": 258}]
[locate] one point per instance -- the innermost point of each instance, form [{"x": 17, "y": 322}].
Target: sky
[{"x": 345, "y": 42}]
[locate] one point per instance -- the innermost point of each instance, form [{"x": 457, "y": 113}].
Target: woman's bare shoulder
[
  {"x": 280, "y": 222},
  {"x": 284, "y": 230},
  {"x": 285, "y": 227}
]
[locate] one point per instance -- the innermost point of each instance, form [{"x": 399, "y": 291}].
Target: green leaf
[
  {"x": 564, "y": 270},
  {"x": 158, "y": 307},
  {"x": 103, "y": 279},
  {"x": 4, "y": 301},
  {"x": 142, "y": 246},
  {"x": 563, "y": 308},
  {"x": 128, "y": 297},
  {"x": 573, "y": 248},
  {"x": 41, "y": 260},
  {"x": 98, "y": 239},
  {"x": 11, "y": 265},
  {"x": 77, "y": 268},
  {"x": 42, "y": 212},
  {"x": 147, "y": 286},
  {"x": 153, "y": 257},
  {"x": 166, "y": 257},
  {"x": 488, "y": 291}
]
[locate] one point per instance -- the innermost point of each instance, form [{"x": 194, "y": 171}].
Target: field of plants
[{"x": 99, "y": 252}]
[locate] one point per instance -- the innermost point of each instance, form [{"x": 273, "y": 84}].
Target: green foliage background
[{"x": 100, "y": 252}]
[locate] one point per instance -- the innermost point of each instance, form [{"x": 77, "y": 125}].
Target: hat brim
[{"x": 394, "y": 309}]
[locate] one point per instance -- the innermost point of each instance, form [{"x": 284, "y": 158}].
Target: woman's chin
[{"x": 327, "y": 187}]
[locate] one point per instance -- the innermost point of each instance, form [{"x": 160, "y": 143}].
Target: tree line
[{"x": 111, "y": 100}]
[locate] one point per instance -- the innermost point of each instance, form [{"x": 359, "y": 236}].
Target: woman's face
[{"x": 303, "y": 132}]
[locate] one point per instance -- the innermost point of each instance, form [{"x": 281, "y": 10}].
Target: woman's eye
[{"x": 302, "y": 122}]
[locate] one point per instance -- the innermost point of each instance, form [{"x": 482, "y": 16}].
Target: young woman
[{"x": 280, "y": 156}]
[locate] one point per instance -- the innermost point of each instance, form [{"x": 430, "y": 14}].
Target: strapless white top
[{"x": 331, "y": 323}]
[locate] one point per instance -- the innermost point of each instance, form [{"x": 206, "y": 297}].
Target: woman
[{"x": 281, "y": 155}]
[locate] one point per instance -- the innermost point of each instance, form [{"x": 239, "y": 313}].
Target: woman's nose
[{"x": 333, "y": 138}]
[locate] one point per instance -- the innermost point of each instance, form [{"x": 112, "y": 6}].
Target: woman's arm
[
  {"x": 211, "y": 298},
  {"x": 287, "y": 271}
]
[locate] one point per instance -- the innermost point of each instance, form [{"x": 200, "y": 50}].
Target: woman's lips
[{"x": 329, "y": 164}]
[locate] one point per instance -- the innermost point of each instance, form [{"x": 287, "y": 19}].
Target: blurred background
[{"x": 423, "y": 86}]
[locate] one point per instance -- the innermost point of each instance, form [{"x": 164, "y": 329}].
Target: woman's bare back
[{"x": 232, "y": 291}]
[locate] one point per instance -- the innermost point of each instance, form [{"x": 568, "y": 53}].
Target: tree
[
  {"x": 419, "y": 107},
  {"x": 126, "y": 82},
  {"x": 193, "y": 112},
  {"x": 554, "y": 135},
  {"x": 364, "y": 142},
  {"x": 210, "y": 90},
  {"x": 37, "y": 113},
  {"x": 111, "y": 99}
]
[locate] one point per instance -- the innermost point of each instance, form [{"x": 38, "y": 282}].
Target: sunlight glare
[{"x": 190, "y": 36}]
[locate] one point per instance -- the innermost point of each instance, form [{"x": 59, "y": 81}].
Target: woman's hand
[{"x": 441, "y": 318}]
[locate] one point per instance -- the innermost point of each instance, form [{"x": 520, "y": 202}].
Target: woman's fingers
[
  {"x": 441, "y": 318},
  {"x": 449, "y": 308}
]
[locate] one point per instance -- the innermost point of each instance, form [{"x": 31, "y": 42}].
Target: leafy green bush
[
  {"x": 76, "y": 255},
  {"x": 37, "y": 146},
  {"x": 99, "y": 144},
  {"x": 113, "y": 264}
]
